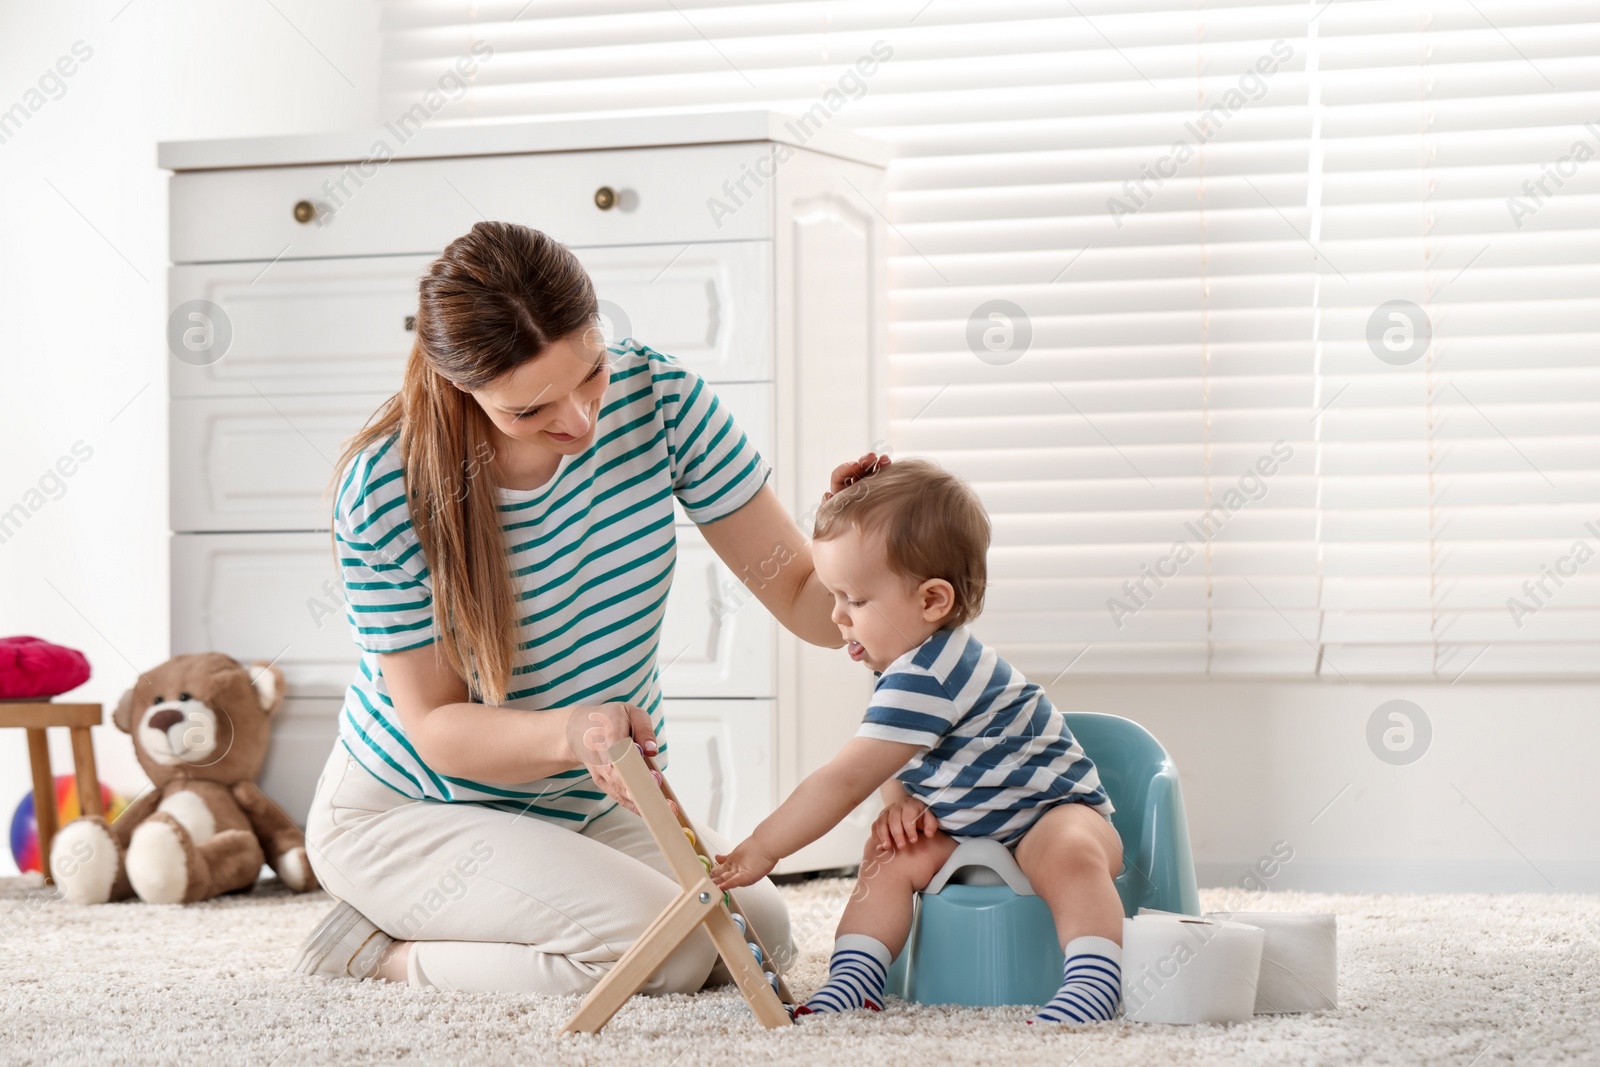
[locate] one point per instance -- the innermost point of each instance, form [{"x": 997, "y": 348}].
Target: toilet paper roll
[
  {"x": 1187, "y": 969},
  {"x": 1299, "y": 960}
]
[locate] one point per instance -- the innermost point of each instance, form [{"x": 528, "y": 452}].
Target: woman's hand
[
  {"x": 897, "y": 825},
  {"x": 746, "y": 864},
  {"x": 848, "y": 474},
  {"x": 593, "y": 729}
]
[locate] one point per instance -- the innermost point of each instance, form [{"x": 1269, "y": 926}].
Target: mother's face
[{"x": 554, "y": 398}]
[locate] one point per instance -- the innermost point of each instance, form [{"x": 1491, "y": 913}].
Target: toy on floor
[
  {"x": 200, "y": 726},
  {"x": 25, "y": 826},
  {"x": 700, "y": 903}
]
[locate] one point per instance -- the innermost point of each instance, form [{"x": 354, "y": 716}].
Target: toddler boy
[{"x": 958, "y": 743}]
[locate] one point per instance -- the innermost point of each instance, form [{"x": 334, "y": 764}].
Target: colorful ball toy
[{"x": 25, "y": 825}]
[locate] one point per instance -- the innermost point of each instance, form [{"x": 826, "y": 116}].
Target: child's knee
[
  {"x": 1072, "y": 856},
  {"x": 871, "y": 855},
  {"x": 914, "y": 866}
]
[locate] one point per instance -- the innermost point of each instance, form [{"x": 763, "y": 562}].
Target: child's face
[{"x": 881, "y": 614}]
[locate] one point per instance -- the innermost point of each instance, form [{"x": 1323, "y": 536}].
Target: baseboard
[{"x": 1412, "y": 876}]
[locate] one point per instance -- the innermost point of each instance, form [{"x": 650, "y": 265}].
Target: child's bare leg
[
  {"x": 1071, "y": 856},
  {"x": 880, "y": 907},
  {"x": 876, "y": 923}
]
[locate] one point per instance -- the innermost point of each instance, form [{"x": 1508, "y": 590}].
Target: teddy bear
[{"x": 200, "y": 725}]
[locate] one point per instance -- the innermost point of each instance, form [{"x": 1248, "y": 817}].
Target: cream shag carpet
[{"x": 1470, "y": 980}]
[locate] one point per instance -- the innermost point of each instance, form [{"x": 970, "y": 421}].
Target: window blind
[{"x": 1266, "y": 331}]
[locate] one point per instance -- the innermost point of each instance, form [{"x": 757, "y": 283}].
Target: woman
[{"x": 504, "y": 527}]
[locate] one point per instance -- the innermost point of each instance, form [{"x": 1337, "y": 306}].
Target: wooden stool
[{"x": 36, "y": 717}]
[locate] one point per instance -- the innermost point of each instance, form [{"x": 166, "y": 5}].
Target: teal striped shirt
[{"x": 591, "y": 554}]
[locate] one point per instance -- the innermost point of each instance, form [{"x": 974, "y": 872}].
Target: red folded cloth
[{"x": 32, "y": 668}]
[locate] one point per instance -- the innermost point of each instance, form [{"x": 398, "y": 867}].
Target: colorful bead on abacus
[
  {"x": 772, "y": 980},
  {"x": 755, "y": 950},
  {"x": 738, "y": 920},
  {"x": 726, "y": 898},
  {"x": 690, "y": 835},
  {"x": 705, "y": 862},
  {"x": 657, "y": 776}
]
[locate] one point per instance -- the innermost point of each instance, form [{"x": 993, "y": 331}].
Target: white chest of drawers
[{"x": 756, "y": 261}]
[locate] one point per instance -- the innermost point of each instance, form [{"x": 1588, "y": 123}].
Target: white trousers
[{"x": 498, "y": 902}]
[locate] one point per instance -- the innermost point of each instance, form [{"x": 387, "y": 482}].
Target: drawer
[
  {"x": 666, "y": 195},
  {"x": 259, "y": 463},
  {"x": 717, "y": 639},
  {"x": 304, "y": 731},
  {"x": 720, "y": 761},
  {"x": 263, "y": 462},
  {"x": 339, "y": 325},
  {"x": 270, "y": 596},
  {"x": 707, "y": 305},
  {"x": 324, "y": 326}
]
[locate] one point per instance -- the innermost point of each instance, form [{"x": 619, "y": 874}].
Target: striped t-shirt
[
  {"x": 998, "y": 752},
  {"x": 591, "y": 554}
]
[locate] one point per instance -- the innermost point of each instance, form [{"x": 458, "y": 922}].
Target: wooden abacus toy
[{"x": 699, "y": 903}]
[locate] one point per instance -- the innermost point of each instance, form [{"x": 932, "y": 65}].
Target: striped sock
[
  {"x": 856, "y": 975},
  {"x": 1091, "y": 983}
]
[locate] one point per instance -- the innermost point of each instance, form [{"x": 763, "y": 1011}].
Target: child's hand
[
  {"x": 898, "y": 824},
  {"x": 745, "y": 865}
]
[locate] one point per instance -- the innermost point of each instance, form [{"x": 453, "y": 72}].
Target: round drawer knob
[
  {"x": 305, "y": 211},
  {"x": 605, "y": 198}
]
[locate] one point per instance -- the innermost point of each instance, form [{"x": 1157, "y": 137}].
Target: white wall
[
  {"x": 83, "y": 232},
  {"x": 1501, "y": 798}
]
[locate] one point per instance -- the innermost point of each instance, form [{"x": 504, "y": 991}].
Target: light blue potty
[{"x": 979, "y": 935}]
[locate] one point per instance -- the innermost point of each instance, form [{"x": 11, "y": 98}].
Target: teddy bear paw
[
  {"x": 160, "y": 860},
  {"x": 84, "y": 861},
  {"x": 294, "y": 870}
]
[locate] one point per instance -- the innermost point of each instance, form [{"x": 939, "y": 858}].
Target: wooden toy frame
[{"x": 699, "y": 903}]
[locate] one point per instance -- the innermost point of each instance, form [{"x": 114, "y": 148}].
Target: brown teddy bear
[{"x": 200, "y": 725}]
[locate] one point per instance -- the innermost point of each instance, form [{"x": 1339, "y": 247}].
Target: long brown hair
[{"x": 496, "y": 298}]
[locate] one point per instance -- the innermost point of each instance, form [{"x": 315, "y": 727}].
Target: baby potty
[{"x": 979, "y": 934}]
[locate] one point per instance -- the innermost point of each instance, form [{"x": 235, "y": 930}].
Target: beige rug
[{"x": 1467, "y": 980}]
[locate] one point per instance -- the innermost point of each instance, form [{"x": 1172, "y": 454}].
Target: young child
[{"x": 960, "y": 744}]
